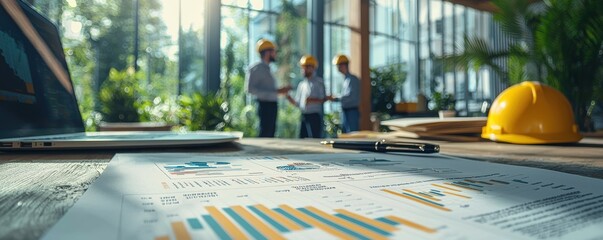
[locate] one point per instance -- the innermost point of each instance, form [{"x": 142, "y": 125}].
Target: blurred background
[{"x": 183, "y": 62}]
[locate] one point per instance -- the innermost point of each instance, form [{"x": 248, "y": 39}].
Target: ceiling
[{"x": 483, "y": 5}]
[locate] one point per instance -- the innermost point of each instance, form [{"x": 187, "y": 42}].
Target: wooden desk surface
[{"x": 36, "y": 189}]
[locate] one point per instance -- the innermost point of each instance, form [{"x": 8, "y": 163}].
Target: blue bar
[
  {"x": 423, "y": 199},
  {"x": 363, "y": 224},
  {"x": 194, "y": 223},
  {"x": 250, "y": 229},
  {"x": 387, "y": 221},
  {"x": 216, "y": 227},
  {"x": 469, "y": 184},
  {"x": 268, "y": 219},
  {"x": 465, "y": 186},
  {"x": 437, "y": 193},
  {"x": 293, "y": 218},
  {"x": 332, "y": 224}
]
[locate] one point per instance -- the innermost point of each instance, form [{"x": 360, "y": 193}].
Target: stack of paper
[{"x": 451, "y": 129}]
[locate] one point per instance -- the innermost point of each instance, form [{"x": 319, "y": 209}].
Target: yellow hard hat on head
[
  {"x": 531, "y": 113},
  {"x": 340, "y": 59},
  {"x": 264, "y": 44},
  {"x": 308, "y": 60}
]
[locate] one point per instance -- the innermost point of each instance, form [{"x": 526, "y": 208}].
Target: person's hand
[
  {"x": 314, "y": 100},
  {"x": 330, "y": 98},
  {"x": 283, "y": 90},
  {"x": 291, "y": 100}
]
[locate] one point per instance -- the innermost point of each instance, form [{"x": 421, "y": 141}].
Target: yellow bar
[
  {"x": 416, "y": 200},
  {"x": 456, "y": 185},
  {"x": 349, "y": 225},
  {"x": 315, "y": 222},
  {"x": 444, "y": 187},
  {"x": 458, "y": 195},
  {"x": 279, "y": 218},
  {"x": 422, "y": 194},
  {"x": 228, "y": 226},
  {"x": 180, "y": 231},
  {"x": 382, "y": 226},
  {"x": 162, "y": 238},
  {"x": 411, "y": 224},
  {"x": 257, "y": 223}
]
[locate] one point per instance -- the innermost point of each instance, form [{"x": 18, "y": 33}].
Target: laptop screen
[{"x": 36, "y": 94}]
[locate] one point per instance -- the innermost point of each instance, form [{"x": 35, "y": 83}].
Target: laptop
[{"x": 38, "y": 107}]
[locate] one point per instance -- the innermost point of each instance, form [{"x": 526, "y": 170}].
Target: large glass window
[
  {"x": 107, "y": 41},
  {"x": 243, "y": 24},
  {"x": 165, "y": 41},
  {"x": 337, "y": 41}
]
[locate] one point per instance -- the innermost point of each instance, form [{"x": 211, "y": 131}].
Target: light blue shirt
[
  {"x": 313, "y": 87},
  {"x": 350, "y": 93},
  {"x": 260, "y": 83}
]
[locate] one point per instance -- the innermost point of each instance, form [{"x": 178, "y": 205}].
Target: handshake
[{"x": 285, "y": 91}]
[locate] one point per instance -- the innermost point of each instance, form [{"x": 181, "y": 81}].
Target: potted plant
[{"x": 444, "y": 104}]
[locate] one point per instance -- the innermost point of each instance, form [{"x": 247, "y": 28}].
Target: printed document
[{"x": 331, "y": 196}]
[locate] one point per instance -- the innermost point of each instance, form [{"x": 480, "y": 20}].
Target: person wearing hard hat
[
  {"x": 350, "y": 95},
  {"x": 310, "y": 97},
  {"x": 260, "y": 83}
]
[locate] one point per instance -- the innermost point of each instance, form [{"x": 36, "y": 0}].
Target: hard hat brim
[{"x": 550, "y": 138}]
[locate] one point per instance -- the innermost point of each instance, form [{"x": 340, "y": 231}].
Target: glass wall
[
  {"x": 336, "y": 41},
  {"x": 243, "y": 24},
  {"x": 442, "y": 27},
  {"x": 165, "y": 40}
]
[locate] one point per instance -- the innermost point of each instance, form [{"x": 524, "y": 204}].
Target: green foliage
[
  {"x": 385, "y": 83},
  {"x": 244, "y": 116},
  {"x": 190, "y": 61},
  {"x": 119, "y": 96},
  {"x": 570, "y": 39},
  {"x": 164, "y": 110},
  {"x": 332, "y": 124},
  {"x": 443, "y": 101},
  {"x": 290, "y": 33},
  {"x": 288, "y": 121},
  {"x": 204, "y": 112}
]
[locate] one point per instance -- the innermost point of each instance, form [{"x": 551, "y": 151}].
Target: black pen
[{"x": 384, "y": 146}]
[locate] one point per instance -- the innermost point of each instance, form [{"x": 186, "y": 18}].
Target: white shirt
[{"x": 313, "y": 87}]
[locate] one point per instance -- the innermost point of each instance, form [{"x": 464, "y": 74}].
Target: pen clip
[{"x": 409, "y": 146}]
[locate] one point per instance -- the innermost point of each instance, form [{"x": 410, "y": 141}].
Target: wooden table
[{"x": 36, "y": 189}]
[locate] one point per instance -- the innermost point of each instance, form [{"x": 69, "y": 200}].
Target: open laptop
[{"x": 38, "y": 107}]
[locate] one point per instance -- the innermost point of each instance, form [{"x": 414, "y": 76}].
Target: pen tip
[{"x": 326, "y": 142}]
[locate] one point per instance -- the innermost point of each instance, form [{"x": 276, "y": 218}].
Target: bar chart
[
  {"x": 256, "y": 216},
  {"x": 261, "y": 222},
  {"x": 206, "y": 169},
  {"x": 448, "y": 196}
]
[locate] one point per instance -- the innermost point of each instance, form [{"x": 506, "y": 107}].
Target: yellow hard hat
[
  {"x": 531, "y": 113},
  {"x": 340, "y": 59},
  {"x": 308, "y": 60},
  {"x": 264, "y": 44}
]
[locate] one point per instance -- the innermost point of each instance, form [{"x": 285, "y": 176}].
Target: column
[{"x": 359, "y": 57}]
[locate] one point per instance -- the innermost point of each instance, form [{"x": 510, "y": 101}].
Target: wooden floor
[{"x": 36, "y": 189}]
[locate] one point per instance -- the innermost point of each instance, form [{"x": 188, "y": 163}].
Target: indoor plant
[{"x": 445, "y": 104}]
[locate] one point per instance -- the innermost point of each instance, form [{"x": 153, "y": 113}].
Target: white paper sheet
[{"x": 331, "y": 196}]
